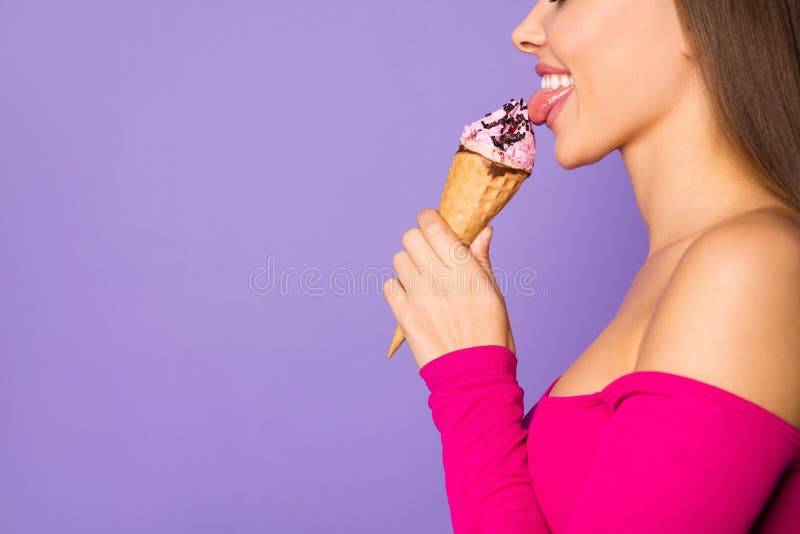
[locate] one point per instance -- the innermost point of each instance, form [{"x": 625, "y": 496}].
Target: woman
[{"x": 684, "y": 414}]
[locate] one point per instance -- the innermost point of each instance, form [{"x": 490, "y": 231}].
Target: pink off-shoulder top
[{"x": 653, "y": 452}]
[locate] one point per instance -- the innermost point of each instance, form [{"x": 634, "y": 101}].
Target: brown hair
[{"x": 748, "y": 54}]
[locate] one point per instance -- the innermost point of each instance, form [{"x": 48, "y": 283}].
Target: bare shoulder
[{"x": 730, "y": 315}]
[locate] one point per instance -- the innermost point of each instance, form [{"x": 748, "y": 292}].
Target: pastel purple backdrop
[{"x": 155, "y": 155}]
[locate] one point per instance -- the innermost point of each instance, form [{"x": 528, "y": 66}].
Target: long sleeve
[
  {"x": 675, "y": 455},
  {"x": 477, "y": 406}
]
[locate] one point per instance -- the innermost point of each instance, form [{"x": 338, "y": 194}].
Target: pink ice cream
[{"x": 504, "y": 136}]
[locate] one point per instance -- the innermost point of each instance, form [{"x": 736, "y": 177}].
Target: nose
[{"x": 528, "y": 36}]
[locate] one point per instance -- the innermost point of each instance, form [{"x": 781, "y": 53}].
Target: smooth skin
[{"x": 718, "y": 295}]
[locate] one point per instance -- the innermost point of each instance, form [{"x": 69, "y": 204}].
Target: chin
[
  {"x": 568, "y": 156},
  {"x": 567, "y": 164},
  {"x": 571, "y": 155}
]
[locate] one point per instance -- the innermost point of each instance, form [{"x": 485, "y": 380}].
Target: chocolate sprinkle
[{"x": 514, "y": 125}]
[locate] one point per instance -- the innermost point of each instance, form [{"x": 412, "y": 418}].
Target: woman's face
[{"x": 630, "y": 64}]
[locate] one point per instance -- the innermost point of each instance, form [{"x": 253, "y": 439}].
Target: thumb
[{"x": 480, "y": 248}]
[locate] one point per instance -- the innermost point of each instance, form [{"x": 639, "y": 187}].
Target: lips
[{"x": 543, "y": 68}]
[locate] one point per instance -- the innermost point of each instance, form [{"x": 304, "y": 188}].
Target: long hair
[{"x": 748, "y": 54}]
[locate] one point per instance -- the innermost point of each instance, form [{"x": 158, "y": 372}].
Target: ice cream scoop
[{"x": 504, "y": 136}]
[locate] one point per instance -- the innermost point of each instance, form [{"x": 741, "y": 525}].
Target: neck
[{"x": 685, "y": 178}]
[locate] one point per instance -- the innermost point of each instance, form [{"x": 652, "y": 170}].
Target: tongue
[{"x": 542, "y": 101}]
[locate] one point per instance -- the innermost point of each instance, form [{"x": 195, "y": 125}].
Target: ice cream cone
[
  {"x": 495, "y": 155},
  {"x": 477, "y": 188}
]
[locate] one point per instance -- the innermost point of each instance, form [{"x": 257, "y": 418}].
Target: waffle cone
[{"x": 477, "y": 188}]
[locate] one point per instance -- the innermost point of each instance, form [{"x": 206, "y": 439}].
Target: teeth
[{"x": 554, "y": 81}]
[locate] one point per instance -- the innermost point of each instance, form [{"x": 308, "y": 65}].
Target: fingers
[
  {"x": 441, "y": 238},
  {"x": 420, "y": 251},
  {"x": 407, "y": 272},
  {"x": 433, "y": 250},
  {"x": 395, "y": 295},
  {"x": 480, "y": 248}
]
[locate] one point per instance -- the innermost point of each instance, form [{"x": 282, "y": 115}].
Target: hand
[{"x": 445, "y": 296}]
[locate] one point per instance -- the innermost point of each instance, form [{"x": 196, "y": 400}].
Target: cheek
[
  {"x": 626, "y": 63},
  {"x": 638, "y": 78}
]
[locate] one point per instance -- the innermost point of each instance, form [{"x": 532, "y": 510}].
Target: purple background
[{"x": 153, "y": 155}]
